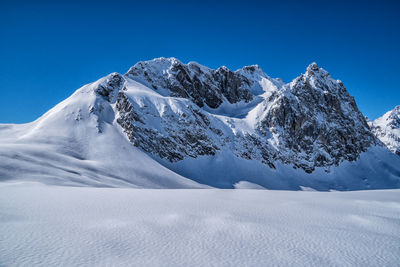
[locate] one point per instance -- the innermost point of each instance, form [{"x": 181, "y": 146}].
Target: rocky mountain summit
[
  {"x": 310, "y": 122},
  {"x": 387, "y": 129},
  {"x": 194, "y": 81},
  {"x": 166, "y": 124}
]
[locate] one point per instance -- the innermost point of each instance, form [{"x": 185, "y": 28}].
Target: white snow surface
[{"x": 43, "y": 225}]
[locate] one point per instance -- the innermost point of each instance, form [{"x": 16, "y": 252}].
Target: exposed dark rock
[
  {"x": 200, "y": 84},
  {"x": 318, "y": 122},
  {"x": 110, "y": 87},
  {"x": 311, "y": 122},
  {"x": 189, "y": 137}
]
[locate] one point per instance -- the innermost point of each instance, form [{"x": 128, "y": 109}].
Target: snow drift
[{"x": 67, "y": 226}]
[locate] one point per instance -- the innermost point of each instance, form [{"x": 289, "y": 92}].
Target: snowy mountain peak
[
  {"x": 317, "y": 81},
  {"x": 313, "y": 67},
  {"x": 223, "y": 68},
  {"x": 253, "y": 70},
  {"x": 387, "y": 129},
  {"x": 202, "y": 85},
  {"x": 317, "y": 122},
  {"x": 314, "y": 70},
  {"x": 390, "y": 119},
  {"x": 315, "y": 73},
  {"x": 311, "y": 122},
  {"x": 396, "y": 111},
  {"x": 161, "y": 60},
  {"x": 165, "y": 121}
]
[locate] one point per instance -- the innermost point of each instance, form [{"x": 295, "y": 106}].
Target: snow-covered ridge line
[
  {"x": 169, "y": 124},
  {"x": 267, "y": 120}
]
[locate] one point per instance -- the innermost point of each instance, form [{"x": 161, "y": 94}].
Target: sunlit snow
[{"x": 68, "y": 226}]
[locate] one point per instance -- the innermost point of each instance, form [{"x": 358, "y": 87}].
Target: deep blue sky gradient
[{"x": 48, "y": 49}]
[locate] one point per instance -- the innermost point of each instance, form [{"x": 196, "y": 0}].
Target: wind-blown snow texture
[
  {"x": 165, "y": 124},
  {"x": 68, "y": 226}
]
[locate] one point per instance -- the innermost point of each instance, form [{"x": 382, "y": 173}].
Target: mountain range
[{"x": 166, "y": 124}]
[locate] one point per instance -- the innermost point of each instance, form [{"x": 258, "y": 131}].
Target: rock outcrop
[
  {"x": 316, "y": 122},
  {"x": 308, "y": 123},
  {"x": 198, "y": 83}
]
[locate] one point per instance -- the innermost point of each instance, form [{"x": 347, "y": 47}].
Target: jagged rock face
[
  {"x": 180, "y": 134},
  {"x": 387, "y": 129},
  {"x": 110, "y": 87},
  {"x": 308, "y": 123},
  {"x": 198, "y": 83},
  {"x": 317, "y": 122}
]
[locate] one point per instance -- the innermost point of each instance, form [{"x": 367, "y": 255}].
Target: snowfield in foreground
[{"x": 70, "y": 226}]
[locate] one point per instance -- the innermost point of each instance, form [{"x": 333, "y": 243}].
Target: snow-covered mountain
[
  {"x": 165, "y": 124},
  {"x": 387, "y": 129}
]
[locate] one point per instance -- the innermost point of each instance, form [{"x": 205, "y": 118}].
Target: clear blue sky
[{"x": 49, "y": 49}]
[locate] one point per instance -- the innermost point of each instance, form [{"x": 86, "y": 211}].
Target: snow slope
[
  {"x": 76, "y": 143},
  {"x": 166, "y": 124},
  {"x": 69, "y": 226}
]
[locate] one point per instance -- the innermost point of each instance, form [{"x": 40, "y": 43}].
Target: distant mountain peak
[{"x": 387, "y": 129}]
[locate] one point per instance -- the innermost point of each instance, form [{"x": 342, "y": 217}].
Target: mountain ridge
[{"x": 188, "y": 123}]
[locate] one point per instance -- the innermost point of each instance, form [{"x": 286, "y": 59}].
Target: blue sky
[{"x": 49, "y": 49}]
